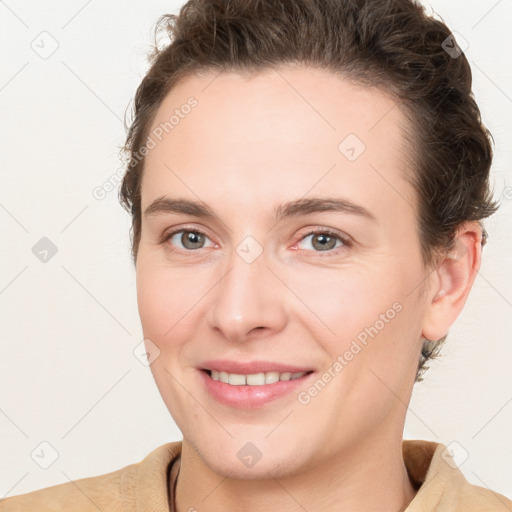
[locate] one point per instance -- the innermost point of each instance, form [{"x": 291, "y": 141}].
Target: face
[{"x": 331, "y": 285}]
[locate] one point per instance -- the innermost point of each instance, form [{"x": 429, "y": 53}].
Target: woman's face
[{"x": 335, "y": 291}]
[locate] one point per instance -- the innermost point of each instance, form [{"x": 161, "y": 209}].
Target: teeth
[{"x": 255, "y": 379}]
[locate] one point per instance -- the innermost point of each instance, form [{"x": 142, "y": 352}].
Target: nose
[{"x": 247, "y": 301}]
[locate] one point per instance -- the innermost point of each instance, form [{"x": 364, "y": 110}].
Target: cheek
[
  {"x": 152, "y": 302},
  {"x": 371, "y": 344},
  {"x": 173, "y": 304},
  {"x": 165, "y": 299},
  {"x": 367, "y": 317},
  {"x": 345, "y": 301}
]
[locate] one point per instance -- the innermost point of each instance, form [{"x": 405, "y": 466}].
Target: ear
[{"x": 451, "y": 281}]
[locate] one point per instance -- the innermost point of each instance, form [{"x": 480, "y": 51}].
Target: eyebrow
[{"x": 289, "y": 209}]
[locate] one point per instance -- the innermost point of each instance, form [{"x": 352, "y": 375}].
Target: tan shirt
[{"x": 143, "y": 487}]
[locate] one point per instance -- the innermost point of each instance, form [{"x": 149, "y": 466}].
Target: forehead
[{"x": 275, "y": 135}]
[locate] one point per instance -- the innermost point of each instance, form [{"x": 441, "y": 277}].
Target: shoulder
[
  {"x": 441, "y": 484},
  {"x": 476, "y": 498},
  {"x": 93, "y": 493},
  {"x": 110, "y": 492}
]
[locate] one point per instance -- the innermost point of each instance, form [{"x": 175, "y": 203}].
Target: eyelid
[{"x": 323, "y": 229}]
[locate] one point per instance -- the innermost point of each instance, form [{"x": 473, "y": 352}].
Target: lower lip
[{"x": 250, "y": 397}]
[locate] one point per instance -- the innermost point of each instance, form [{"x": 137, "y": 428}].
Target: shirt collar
[{"x": 431, "y": 469}]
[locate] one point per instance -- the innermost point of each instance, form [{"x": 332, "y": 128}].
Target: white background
[{"x": 69, "y": 326}]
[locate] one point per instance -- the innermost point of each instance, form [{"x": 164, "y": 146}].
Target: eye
[
  {"x": 191, "y": 239},
  {"x": 325, "y": 240}
]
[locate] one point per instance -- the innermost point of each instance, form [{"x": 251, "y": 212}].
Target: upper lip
[{"x": 251, "y": 367}]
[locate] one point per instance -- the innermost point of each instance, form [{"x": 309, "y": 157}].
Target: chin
[{"x": 251, "y": 457}]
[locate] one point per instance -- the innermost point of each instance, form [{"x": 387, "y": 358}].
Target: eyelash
[{"x": 347, "y": 243}]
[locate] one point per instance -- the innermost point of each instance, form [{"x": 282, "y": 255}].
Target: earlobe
[{"x": 452, "y": 280}]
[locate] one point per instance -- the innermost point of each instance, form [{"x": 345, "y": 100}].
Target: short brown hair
[{"x": 391, "y": 44}]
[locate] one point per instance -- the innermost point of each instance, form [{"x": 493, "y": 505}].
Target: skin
[{"x": 251, "y": 143}]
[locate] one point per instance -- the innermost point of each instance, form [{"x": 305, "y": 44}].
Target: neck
[{"x": 371, "y": 478}]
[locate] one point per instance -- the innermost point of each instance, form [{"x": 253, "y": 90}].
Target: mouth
[{"x": 253, "y": 390}]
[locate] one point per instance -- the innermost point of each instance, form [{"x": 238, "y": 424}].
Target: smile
[{"x": 254, "y": 390}]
